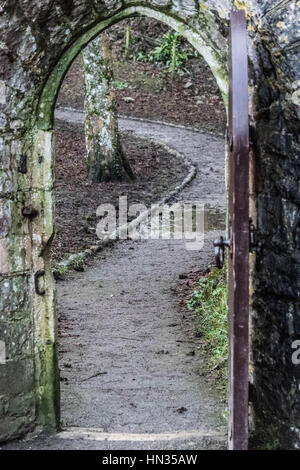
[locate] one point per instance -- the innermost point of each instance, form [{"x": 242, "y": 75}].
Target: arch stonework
[{"x": 39, "y": 40}]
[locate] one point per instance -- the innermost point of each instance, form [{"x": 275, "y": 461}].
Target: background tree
[{"x": 105, "y": 158}]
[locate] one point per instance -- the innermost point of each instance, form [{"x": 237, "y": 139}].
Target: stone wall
[
  {"x": 39, "y": 40},
  {"x": 276, "y": 313}
]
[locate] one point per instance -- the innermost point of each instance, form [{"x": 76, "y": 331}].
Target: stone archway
[
  {"x": 35, "y": 185},
  {"x": 42, "y": 142},
  {"x": 40, "y": 43}
]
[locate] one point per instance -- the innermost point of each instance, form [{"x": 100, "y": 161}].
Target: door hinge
[
  {"x": 254, "y": 243},
  {"x": 220, "y": 244}
]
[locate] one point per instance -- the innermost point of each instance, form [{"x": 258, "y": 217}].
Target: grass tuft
[{"x": 209, "y": 303}]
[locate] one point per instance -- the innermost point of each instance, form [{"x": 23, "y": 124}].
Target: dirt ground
[
  {"x": 156, "y": 173},
  {"x": 131, "y": 367},
  {"x": 132, "y": 370},
  {"x": 192, "y": 99}
]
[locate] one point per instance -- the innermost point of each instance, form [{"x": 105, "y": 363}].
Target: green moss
[
  {"x": 46, "y": 362},
  {"x": 48, "y": 403}
]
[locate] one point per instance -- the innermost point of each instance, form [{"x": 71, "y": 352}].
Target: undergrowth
[
  {"x": 170, "y": 53},
  {"x": 209, "y": 303}
]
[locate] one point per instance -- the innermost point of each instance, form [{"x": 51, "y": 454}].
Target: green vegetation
[
  {"x": 170, "y": 53},
  {"x": 127, "y": 42},
  {"x": 75, "y": 262},
  {"x": 120, "y": 85},
  {"x": 60, "y": 271},
  {"x": 209, "y": 302}
]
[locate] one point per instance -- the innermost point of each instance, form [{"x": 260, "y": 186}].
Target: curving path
[{"x": 129, "y": 361}]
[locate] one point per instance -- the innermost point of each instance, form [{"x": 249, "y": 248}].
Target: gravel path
[{"x": 129, "y": 359}]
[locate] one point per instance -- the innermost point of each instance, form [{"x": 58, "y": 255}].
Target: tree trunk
[{"x": 105, "y": 158}]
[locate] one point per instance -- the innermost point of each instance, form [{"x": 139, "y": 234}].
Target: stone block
[
  {"x": 17, "y": 377},
  {"x": 15, "y": 254},
  {"x": 14, "y": 297},
  {"x": 17, "y": 336},
  {"x": 14, "y": 427}
]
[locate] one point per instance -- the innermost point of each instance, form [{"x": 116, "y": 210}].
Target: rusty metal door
[
  {"x": 238, "y": 135},
  {"x": 239, "y": 232}
]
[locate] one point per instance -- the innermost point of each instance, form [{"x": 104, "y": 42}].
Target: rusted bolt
[{"x": 30, "y": 212}]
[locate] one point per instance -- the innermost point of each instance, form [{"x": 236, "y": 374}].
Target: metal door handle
[
  {"x": 220, "y": 244},
  {"x": 37, "y": 277}
]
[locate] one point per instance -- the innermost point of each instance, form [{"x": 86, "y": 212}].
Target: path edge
[{"x": 76, "y": 260}]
